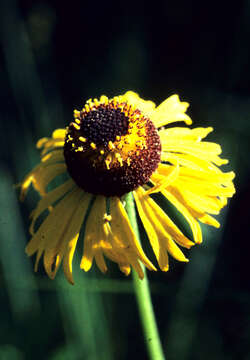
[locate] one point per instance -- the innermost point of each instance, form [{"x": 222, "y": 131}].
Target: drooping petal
[
  {"x": 100, "y": 261},
  {"x": 147, "y": 107},
  {"x": 100, "y": 239},
  {"x": 65, "y": 246},
  {"x": 203, "y": 150},
  {"x": 200, "y": 203},
  {"x": 189, "y": 161},
  {"x": 201, "y": 186},
  {"x": 209, "y": 176},
  {"x": 68, "y": 257},
  {"x": 48, "y": 200},
  {"x": 95, "y": 237},
  {"x": 58, "y": 135},
  {"x": 183, "y": 133},
  {"x": 212, "y": 183},
  {"x": 160, "y": 229},
  {"x": 205, "y": 191},
  {"x": 44, "y": 176},
  {"x": 52, "y": 144},
  {"x": 169, "y": 111},
  {"x": 209, "y": 220},
  {"x": 51, "y": 230},
  {"x": 153, "y": 235},
  {"x": 161, "y": 181},
  {"x": 123, "y": 235},
  {"x": 197, "y": 207},
  {"x": 55, "y": 142},
  {"x": 118, "y": 256},
  {"x": 53, "y": 157},
  {"x": 40, "y": 177},
  {"x": 72, "y": 233},
  {"x": 194, "y": 225}
]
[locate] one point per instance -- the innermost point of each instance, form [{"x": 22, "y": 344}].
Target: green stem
[{"x": 143, "y": 296}]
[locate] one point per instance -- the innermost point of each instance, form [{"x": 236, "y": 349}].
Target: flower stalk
[{"x": 143, "y": 297}]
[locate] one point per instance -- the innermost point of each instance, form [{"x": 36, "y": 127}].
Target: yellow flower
[{"x": 113, "y": 147}]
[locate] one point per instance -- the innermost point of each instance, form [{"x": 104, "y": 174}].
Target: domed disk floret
[{"x": 111, "y": 148}]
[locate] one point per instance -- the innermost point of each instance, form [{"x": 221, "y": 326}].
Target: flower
[{"x": 113, "y": 147}]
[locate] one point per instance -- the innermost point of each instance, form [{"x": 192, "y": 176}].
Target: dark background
[{"x": 53, "y": 57}]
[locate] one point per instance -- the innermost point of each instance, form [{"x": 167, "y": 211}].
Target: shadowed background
[{"x": 53, "y": 57}]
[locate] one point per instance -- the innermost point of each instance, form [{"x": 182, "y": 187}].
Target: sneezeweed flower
[{"x": 113, "y": 147}]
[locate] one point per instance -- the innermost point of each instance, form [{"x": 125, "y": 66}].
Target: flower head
[{"x": 113, "y": 147}]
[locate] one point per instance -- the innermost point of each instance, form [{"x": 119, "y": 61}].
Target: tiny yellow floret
[{"x": 76, "y": 126}]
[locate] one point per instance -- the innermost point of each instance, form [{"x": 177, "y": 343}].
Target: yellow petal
[
  {"x": 195, "y": 227},
  {"x": 116, "y": 255},
  {"x": 94, "y": 233},
  {"x": 59, "y": 134},
  {"x": 183, "y": 133},
  {"x": 171, "y": 110},
  {"x": 52, "y": 144},
  {"x": 65, "y": 247},
  {"x": 40, "y": 143},
  {"x": 40, "y": 177},
  {"x": 196, "y": 207},
  {"x": 190, "y": 161},
  {"x": 209, "y": 220},
  {"x": 207, "y": 176},
  {"x": 154, "y": 234},
  {"x": 133, "y": 260},
  {"x": 204, "y": 188},
  {"x": 49, "y": 143},
  {"x": 51, "y": 230},
  {"x": 125, "y": 269},
  {"x": 52, "y": 157},
  {"x": 175, "y": 251},
  {"x": 38, "y": 257},
  {"x": 68, "y": 257},
  {"x": 100, "y": 261},
  {"x": 57, "y": 140},
  {"x": 203, "y": 150},
  {"x": 49, "y": 200},
  {"x": 146, "y": 107},
  {"x": 201, "y": 202},
  {"x": 161, "y": 182},
  {"x": 164, "y": 228},
  {"x": 24, "y": 187},
  {"x": 72, "y": 232},
  {"x": 123, "y": 233}
]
